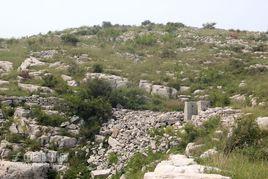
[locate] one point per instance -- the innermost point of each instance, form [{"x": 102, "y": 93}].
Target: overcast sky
[{"x": 27, "y": 17}]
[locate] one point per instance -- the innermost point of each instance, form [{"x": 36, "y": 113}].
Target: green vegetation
[{"x": 42, "y": 118}]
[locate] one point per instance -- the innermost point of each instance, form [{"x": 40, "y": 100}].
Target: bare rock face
[
  {"x": 115, "y": 81},
  {"x": 19, "y": 170},
  {"x": 181, "y": 167}
]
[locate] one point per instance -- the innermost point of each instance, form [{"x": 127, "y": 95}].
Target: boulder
[
  {"x": 164, "y": 91},
  {"x": 263, "y": 123},
  {"x": 67, "y": 142},
  {"x": 29, "y": 62},
  {"x": 191, "y": 147},
  {"x": 5, "y": 66},
  {"x": 113, "y": 142},
  {"x": 115, "y": 81},
  {"x": 35, "y": 157},
  {"x": 34, "y": 88},
  {"x": 209, "y": 153},
  {"x": 19, "y": 170},
  {"x": 100, "y": 173},
  {"x": 144, "y": 84}
]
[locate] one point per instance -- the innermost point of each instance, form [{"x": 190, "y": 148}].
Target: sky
[{"x": 28, "y": 17}]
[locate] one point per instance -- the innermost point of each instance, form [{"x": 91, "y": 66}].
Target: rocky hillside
[{"x": 149, "y": 101}]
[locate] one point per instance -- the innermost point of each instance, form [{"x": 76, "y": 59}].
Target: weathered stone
[
  {"x": 100, "y": 173},
  {"x": 29, "y": 62},
  {"x": 263, "y": 123},
  {"x": 35, "y": 157},
  {"x": 190, "y": 108},
  {"x": 19, "y": 170},
  {"x": 209, "y": 153},
  {"x": 5, "y": 66},
  {"x": 115, "y": 81},
  {"x": 68, "y": 142},
  {"x": 113, "y": 142}
]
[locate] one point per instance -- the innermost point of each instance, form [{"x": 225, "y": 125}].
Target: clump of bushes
[
  {"x": 112, "y": 158},
  {"x": 219, "y": 99},
  {"x": 69, "y": 39},
  {"x": 245, "y": 134},
  {"x": 146, "y": 40},
  {"x": 42, "y": 118},
  {"x": 209, "y": 25},
  {"x": 97, "y": 68}
]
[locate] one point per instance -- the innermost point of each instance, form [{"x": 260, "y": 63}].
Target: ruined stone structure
[{"x": 194, "y": 108}]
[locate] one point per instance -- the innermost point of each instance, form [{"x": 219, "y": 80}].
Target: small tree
[
  {"x": 97, "y": 68},
  {"x": 146, "y": 22},
  {"x": 69, "y": 39},
  {"x": 209, "y": 25},
  {"x": 106, "y": 24}
]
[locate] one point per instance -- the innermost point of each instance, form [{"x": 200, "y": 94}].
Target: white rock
[
  {"x": 100, "y": 173},
  {"x": 209, "y": 153},
  {"x": 19, "y": 170},
  {"x": 35, "y": 157},
  {"x": 5, "y": 66},
  {"x": 113, "y": 142},
  {"x": 262, "y": 123},
  {"x": 29, "y": 62}
]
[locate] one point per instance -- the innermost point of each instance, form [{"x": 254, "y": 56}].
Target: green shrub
[
  {"x": 78, "y": 166},
  {"x": 96, "y": 88},
  {"x": 245, "y": 134},
  {"x": 97, "y": 109},
  {"x": 219, "y": 99},
  {"x": 7, "y": 110},
  {"x": 131, "y": 98},
  {"x": 209, "y": 25},
  {"x": 69, "y": 39},
  {"x": 15, "y": 138},
  {"x": 49, "y": 80},
  {"x": 112, "y": 158},
  {"x": 33, "y": 145},
  {"x": 42, "y": 118},
  {"x": 97, "y": 68},
  {"x": 146, "y": 40}
]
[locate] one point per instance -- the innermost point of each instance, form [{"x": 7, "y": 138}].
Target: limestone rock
[
  {"x": 34, "y": 88},
  {"x": 100, "y": 173},
  {"x": 29, "y": 62},
  {"x": 263, "y": 123},
  {"x": 5, "y": 66},
  {"x": 115, "y": 81},
  {"x": 19, "y": 170}
]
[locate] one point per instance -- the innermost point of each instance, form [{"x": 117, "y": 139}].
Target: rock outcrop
[
  {"x": 181, "y": 167},
  {"x": 160, "y": 90},
  {"x": 115, "y": 81},
  {"x": 20, "y": 170}
]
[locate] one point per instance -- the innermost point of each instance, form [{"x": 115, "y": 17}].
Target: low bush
[
  {"x": 69, "y": 39},
  {"x": 97, "y": 68},
  {"x": 112, "y": 158},
  {"x": 219, "y": 99},
  {"x": 42, "y": 118},
  {"x": 146, "y": 40},
  {"x": 245, "y": 134},
  {"x": 131, "y": 98}
]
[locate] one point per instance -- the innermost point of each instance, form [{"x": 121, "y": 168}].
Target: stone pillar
[
  {"x": 202, "y": 106},
  {"x": 190, "y": 108}
]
